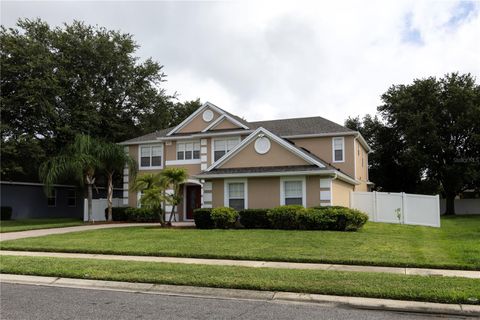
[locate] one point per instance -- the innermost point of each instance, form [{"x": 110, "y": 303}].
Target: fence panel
[
  {"x": 98, "y": 208},
  {"x": 398, "y": 207}
]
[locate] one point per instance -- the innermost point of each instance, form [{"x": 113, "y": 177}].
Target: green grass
[
  {"x": 32, "y": 224},
  {"x": 456, "y": 245},
  {"x": 375, "y": 285}
]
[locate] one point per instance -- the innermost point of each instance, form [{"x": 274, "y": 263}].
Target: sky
[{"x": 267, "y": 60}]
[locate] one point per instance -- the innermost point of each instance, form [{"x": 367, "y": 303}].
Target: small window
[
  {"x": 52, "y": 198},
  {"x": 293, "y": 192},
  {"x": 338, "y": 149},
  {"x": 71, "y": 198},
  {"x": 188, "y": 150},
  {"x": 151, "y": 156},
  {"x": 236, "y": 195},
  {"x": 222, "y": 146}
]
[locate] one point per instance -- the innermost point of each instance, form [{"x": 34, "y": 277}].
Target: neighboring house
[
  {"x": 29, "y": 200},
  {"x": 240, "y": 164}
]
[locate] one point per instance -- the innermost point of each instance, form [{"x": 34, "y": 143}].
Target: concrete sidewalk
[
  {"x": 45, "y": 232},
  {"x": 218, "y": 293},
  {"x": 253, "y": 264}
]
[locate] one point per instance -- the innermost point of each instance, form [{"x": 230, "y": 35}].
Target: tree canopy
[
  {"x": 429, "y": 136},
  {"x": 58, "y": 82}
]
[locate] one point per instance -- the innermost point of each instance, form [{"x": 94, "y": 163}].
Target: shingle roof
[
  {"x": 300, "y": 126},
  {"x": 281, "y": 127}
]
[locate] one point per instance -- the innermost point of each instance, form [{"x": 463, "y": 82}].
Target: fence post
[
  {"x": 438, "y": 210},
  {"x": 374, "y": 198},
  {"x": 404, "y": 207}
]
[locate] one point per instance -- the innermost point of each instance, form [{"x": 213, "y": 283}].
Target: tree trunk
[
  {"x": 89, "y": 200},
  {"x": 450, "y": 210},
  {"x": 110, "y": 196},
  {"x": 171, "y": 214}
]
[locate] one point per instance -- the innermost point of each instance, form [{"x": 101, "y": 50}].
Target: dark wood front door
[{"x": 192, "y": 200}]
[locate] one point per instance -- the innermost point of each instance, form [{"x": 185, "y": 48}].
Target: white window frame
[
  {"x": 226, "y": 193},
  {"x": 186, "y": 161},
  {"x": 54, "y": 193},
  {"x": 333, "y": 149},
  {"x": 140, "y": 156},
  {"x": 226, "y": 139},
  {"x": 293, "y": 178}
]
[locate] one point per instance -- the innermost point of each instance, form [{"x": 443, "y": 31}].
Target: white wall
[
  {"x": 98, "y": 208},
  {"x": 462, "y": 206},
  {"x": 398, "y": 207}
]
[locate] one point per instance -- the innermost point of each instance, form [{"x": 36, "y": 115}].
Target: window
[
  {"x": 338, "y": 149},
  {"x": 236, "y": 195},
  {"x": 222, "y": 146},
  {"x": 188, "y": 150},
  {"x": 151, "y": 156},
  {"x": 293, "y": 192},
  {"x": 52, "y": 198},
  {"x": 71, "y": 198}
]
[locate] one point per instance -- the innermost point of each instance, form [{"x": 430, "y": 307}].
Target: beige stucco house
[{"x": 240, "y": 164}]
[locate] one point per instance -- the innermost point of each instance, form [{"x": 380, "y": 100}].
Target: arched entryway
[{"x": 192, "y": 198}]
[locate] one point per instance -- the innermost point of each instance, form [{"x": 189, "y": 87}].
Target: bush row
[
  {"x": 133, "y": 214},
  {"x": 292, "y": 217}
]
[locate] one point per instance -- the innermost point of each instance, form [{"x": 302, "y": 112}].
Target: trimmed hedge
[
  {"x": 5, "y": 213},
  {"x": 142, "y": 215},
  {"x": 254, "y": 218},
  {"x": 344, "y": 219},
  {"x": 203, "y": 218},
  {"x": 285, "y": 217},
  {"x": 133, "y": 214},
  {"x": 224, "y": 217}
]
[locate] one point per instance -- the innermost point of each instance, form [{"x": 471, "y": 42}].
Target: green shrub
[
  {"x": 224, "y": 217},
  {"x": 254, "y": 218},
  {"x": 118, "y": 213},
  {"x": 5, "y": 213},
  {"x": 141, "y": 215},
  {"x": 284, "y": 217},
  {"x": 332, "y": 218},
  {"x": 203, "y": 218}
]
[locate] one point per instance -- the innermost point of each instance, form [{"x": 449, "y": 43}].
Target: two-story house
[{"x": 240, "y": 164}]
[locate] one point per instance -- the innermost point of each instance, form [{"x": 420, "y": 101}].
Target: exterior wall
[
  {"x": 263, "y": 192},
  {"x": 225, "y": 124},
  {"x": 30, "y": 201},
  {"x": 341, "y": 193},
  {"x": 322, "y": 147},
  {"x": 217, "y": 193},
  {"x": 197, "y": 124},
  {"x": 276, "y": 156},
  {"x": 361, "y": 166},
  {"x": 313, "y": 190}
]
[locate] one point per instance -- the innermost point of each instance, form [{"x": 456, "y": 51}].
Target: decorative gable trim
[
  {"x": 206, "y": 105},
  {"x": 272, "y": 136},
  {"x": 225, "y": 117}
]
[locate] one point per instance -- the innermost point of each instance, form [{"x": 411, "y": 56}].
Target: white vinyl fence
[
  {"x": 98, "y": 208},
  {"x": 398, "y": 207},
  {"x": 463, "y": 206}
]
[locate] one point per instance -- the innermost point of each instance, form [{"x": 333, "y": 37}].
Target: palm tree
[
  {"x": 79, "y": 160},
  {"x": 113, "y": 159},
  {"x": 153, "y": 187},
  {"x": 174, "y": 177}
]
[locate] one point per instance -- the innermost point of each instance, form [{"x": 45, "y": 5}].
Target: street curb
[{"x": 207, "y": 292}]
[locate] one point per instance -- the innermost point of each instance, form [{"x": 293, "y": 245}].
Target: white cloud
[{"x": 264, "y": 60}]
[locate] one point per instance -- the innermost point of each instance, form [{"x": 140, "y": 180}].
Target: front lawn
[
  {"x": 375, "y": 285},
  {"x": 32, "y": 224},
  {"x": 456, "y": 245}
]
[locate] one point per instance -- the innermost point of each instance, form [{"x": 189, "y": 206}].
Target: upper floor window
[
  {"x": 188, "y": 150},
  {"x": 338, "y": 145},
  {"x": 222, "y": 146},
  {"x": 151, "y": 156}
]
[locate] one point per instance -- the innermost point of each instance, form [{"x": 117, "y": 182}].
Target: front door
[{"x": 193, "y": 200}]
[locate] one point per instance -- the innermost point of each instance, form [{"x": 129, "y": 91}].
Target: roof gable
[
  {"x": 224, "y": 122},
  {"x": 280, "y": 153},
  {"x": 204, "y": 117}
]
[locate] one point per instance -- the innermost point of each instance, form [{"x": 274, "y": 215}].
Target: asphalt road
[{"x": 43, "y": 302}]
